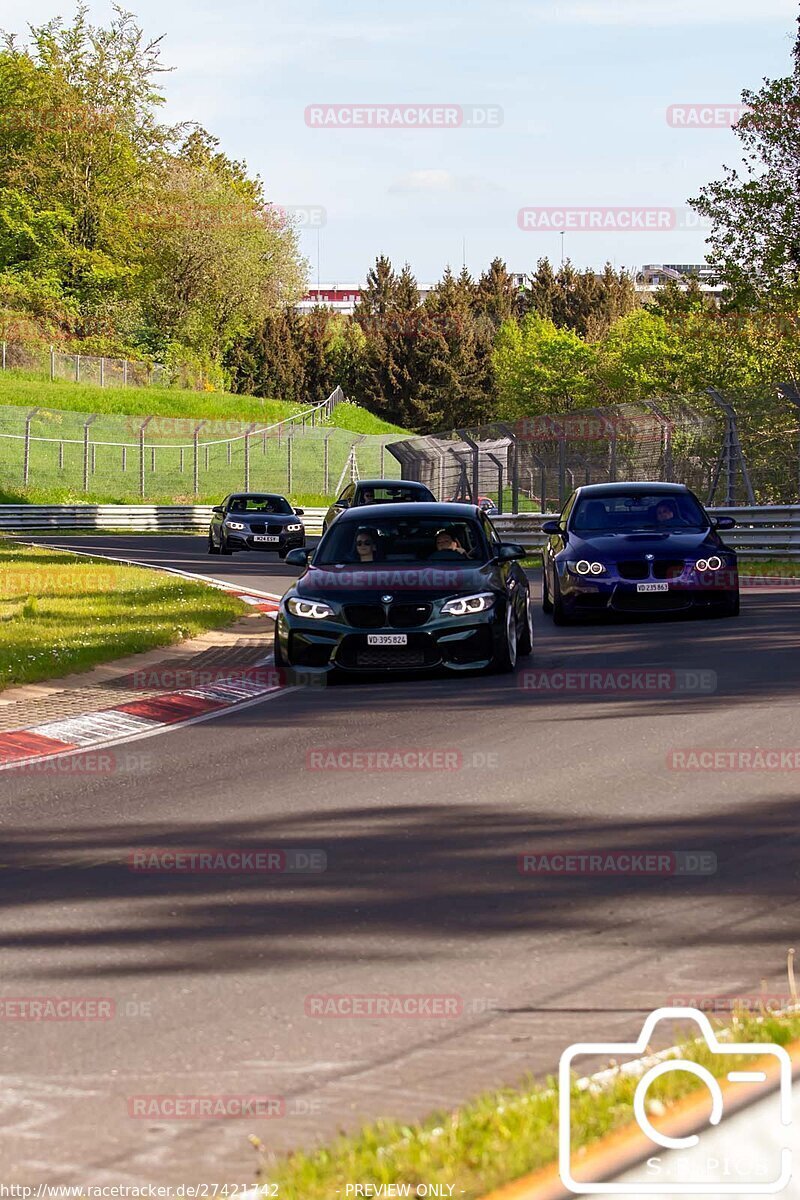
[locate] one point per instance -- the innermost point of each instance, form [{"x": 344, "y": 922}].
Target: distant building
[
  {"x": 654, "y": 275},
  {"x": 342, "y": 297}
]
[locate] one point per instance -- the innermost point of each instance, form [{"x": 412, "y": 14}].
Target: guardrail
[
  {"x": 130, "y": 518},
  {"x": 760, "y": 530}
]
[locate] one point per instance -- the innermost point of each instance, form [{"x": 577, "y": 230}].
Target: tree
[
  {"x": 541, "y": 369},
  {"x": 755, "y": 208},
  {"x": 640, "y": 357}
]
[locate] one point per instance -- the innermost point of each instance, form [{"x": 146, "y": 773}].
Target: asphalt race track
[{"x": 214, "y": 975}]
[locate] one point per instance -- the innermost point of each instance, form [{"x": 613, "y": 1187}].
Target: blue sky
[{"x": 583, "y": 84}]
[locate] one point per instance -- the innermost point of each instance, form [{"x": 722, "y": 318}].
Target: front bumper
[
  {"x": 455, "y": 643},
  {"x": 691, "y": 591},
  {"x": 284, "y": 543}
]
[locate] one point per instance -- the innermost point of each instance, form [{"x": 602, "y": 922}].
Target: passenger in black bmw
[{"x": 445, "y": 592}]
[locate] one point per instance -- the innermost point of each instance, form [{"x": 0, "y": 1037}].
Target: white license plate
[
  {"x": 265, "y": 537},
  {"x": 652, "y": 587},
  {"x": 387, "y": 639}
]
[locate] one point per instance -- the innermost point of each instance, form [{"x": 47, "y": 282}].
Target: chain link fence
[
  {"x": 52, "y": 364},
  {"x": 119, "y": 458},
  {"x": 533, "y": 464}
]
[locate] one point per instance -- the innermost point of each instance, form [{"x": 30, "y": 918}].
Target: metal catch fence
[
  {"x": 123, "y": 458},
  {"x": 534, "y": 463}
]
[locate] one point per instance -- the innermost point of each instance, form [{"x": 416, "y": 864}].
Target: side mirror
[
  {"x": 551, "y": 527},
  {"x": 723, "y": 522},
  {"x": 298, "y": 557},
  {"x": 342, "y": 503},
  {"x": 508, "y": 551},
  {"x": 218, "y": 509},
  {"x": 299, "y": 512}
]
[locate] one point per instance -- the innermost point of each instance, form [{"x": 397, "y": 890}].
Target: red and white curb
[
  {"x": 237, "y": 688},
  {"x": 140, "y": 718}
]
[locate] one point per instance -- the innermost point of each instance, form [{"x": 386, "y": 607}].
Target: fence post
[
  {"x": 77, "y": 368},
  {"x": 383, "y": 460},
  {"x": 26, "y": 466},
  {"x": 102, "y": 371},
  {"x": 142, "y": 428},
  {"x": 196, "y": 441},
  {"x": 4, "y": 356},
  {"x": 124, "y": 372},
  {"x": 52, "y": 363},
  {"x": 326, "y": 463},
  {"x": 61, "y": 456},
  {"x": 86, "y": 425},
  {"x": 247, "y": 458},
  {"x": 289, "y": 465},
  {"x": 124, "y": 458},
  {"x": 499, "y": 466},
  {"x": 180, "y": 468},
  {"x": 474, "y": 450}
]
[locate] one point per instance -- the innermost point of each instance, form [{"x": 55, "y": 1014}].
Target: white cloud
[
  {"x": 666, "y": 12},
  {"x": 438, "y": 181}
]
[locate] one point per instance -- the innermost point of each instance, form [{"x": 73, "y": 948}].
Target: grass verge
[
  {"x": 788, "y": 568},
  {"x": 500, "y": 1136},
  {"x": 22, "y": 389},
  {"x": 61, "y": 613}
]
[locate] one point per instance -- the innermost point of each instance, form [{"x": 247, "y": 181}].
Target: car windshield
[
  {"x": 429, "y": 540},
  {"x": 636, "y": 512},
  {"x": 389, "y": 495},
  {"x": 260, "y": 504}
]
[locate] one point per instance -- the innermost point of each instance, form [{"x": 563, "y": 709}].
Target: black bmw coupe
[{"x": 399, "y": 587}]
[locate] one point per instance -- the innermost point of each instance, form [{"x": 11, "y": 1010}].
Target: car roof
[
  {"x": 406, "y": 483},
  {"x": 637, "y": 487},
  {"x": 423, "y": 508},
  {"x": 249, "y": 495}
]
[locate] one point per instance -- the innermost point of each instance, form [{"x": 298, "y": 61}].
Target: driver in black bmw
[{"x": 405, "y": 587}]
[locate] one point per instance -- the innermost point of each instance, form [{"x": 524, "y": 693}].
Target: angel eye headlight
[
  {"x": 465, "y": 605},
  {"x": 294, "y": 528},
  {"x": 316, "y": 610},
  {"x": 235, "y": 524},
  {"x": 584, "y": 567}
]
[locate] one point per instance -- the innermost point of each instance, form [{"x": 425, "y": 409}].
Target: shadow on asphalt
[{"x": 414, "y": 870}]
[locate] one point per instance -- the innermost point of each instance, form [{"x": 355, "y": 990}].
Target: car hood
[
  {"x": 356, "y": 584},
  {"x": 632, "y": 545}
]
